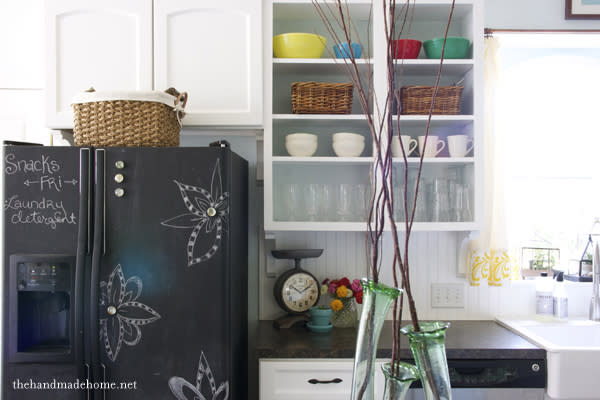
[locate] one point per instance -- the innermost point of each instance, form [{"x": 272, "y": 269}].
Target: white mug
[
  {"x": 434, "y": 145},
  {"x": 459, "y": 145},
  {"x": 408, "y": 143}
]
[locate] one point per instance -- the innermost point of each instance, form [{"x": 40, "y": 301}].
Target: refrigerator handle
[
  {"x": 103, "y": 381},
  {"x": 85, "y": 200},
  {"x": 82, "y": 258},
  {"x": 97, "y": 252},
  {"x": 87, "y": 379}
]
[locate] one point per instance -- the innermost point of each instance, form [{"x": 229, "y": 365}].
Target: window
[{"x": 548, "y": 113}]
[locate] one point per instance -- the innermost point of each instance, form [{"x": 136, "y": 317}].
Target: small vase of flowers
[{"x": 345, "y": 295}]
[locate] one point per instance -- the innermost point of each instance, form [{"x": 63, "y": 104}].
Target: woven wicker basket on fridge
[
  {"x": 418, "y": 99},
  {"x": 322, "y": 98},
  {"x": 107, "y": 119}
]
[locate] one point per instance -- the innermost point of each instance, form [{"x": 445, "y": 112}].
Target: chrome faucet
[{"x": 595, "y": 305}]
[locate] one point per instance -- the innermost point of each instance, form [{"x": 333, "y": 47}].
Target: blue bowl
[{"x": 342, "y": 50}]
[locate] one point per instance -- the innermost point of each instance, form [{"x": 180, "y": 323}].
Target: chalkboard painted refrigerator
[{"x": 128, "y": 267}]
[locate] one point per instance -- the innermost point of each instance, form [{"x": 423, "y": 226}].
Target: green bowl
[{"x": 456, "y": 47}]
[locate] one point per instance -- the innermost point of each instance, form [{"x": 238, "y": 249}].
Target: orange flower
[
  {"x": 336, "y": 305},
  {"x": 341, "y": 291}
]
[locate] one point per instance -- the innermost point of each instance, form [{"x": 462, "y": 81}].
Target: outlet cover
[{"x": 447, "y": 295}]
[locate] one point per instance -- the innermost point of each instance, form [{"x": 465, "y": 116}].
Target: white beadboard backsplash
[{"x": 432, "y": 258}]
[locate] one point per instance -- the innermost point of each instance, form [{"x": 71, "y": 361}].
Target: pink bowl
[{"x": 406, "y": 48}]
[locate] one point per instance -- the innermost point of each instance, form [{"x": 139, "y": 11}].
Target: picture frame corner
[{"x": 581, "y": 14}]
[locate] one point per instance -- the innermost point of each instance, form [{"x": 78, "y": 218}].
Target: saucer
[{"x": 319, "y": 328}]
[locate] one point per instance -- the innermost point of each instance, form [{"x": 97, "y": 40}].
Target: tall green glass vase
[
  {"x": 398, "y": 379},
  {"x": 377, "y": 299},
  {"x": 429, "y": 350}
]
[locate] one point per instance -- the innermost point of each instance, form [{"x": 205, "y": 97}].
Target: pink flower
[
  {"x": 332, "y": 287},
  {"x": 356, "y": 286}
]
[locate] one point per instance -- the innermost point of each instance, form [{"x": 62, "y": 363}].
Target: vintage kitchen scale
[{"x": 296, "y": 290}]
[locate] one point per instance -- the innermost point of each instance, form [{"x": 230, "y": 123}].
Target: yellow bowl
[{"x": 298, "y": 45}]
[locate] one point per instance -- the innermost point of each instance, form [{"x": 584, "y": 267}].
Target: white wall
[{"x": 432, "y": 259}]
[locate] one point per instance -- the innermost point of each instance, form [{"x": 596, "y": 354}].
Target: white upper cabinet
[
  {"x": 105, "y": 44},
  {"x": 212, "y": 50}
]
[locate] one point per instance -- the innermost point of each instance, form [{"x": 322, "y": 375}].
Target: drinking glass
[
  {"x": 361, "y": 201},
  {"x": 423, "y": 199},
  {"x": 291, "y": 202},
  {"x": 344, "y": 202},
  {"x": 456, "y": 201},
  {"x": 311, "y": 195},
  {"x": 326, "y": 199},
  {"x": 398, "y": 204},
  {"x": 440, "y": 203},
  {"x": 467, "y": 213}
]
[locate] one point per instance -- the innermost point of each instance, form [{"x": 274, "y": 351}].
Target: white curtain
[{"x": 489, "y": 260}]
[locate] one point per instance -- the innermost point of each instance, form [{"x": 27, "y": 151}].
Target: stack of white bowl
[
  {"x": 301, "y": 144},
  {"x": 346, "y": 144}
]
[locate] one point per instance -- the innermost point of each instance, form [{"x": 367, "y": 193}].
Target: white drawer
[{"x": 289, "y": 379}]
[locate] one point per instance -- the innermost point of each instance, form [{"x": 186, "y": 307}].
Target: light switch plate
[{"x": 447, "y": 295}]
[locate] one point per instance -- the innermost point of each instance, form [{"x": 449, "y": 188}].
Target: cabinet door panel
[
  {"x": 212, "y": 50},
  {"x": 107, "y": 45}
]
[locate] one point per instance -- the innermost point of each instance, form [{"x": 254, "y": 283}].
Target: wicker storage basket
[
  {"x": 417, "y": 99},
  {"x": 128, "y": 119},
  {"x": 322, "y": 98}
]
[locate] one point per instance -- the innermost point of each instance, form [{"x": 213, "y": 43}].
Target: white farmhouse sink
[{"x": 572, "y": 351}]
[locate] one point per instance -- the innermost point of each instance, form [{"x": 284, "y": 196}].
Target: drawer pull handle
[{"x": 315, "y": 381}]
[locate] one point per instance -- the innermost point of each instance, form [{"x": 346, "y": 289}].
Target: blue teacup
[{"x": 342, "y": 50}]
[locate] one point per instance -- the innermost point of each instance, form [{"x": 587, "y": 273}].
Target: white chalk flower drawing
[
  {"x": 121, "y": 314},
  {"x": 178, "y": 384},
  {"x": 208, "y": 212}
]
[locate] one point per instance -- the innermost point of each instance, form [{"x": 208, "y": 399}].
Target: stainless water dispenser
[{"x": 41, "y": 292}]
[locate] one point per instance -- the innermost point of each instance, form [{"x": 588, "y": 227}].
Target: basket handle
[
  {"x": 180, "y": 102},
  {"x": 180, "y": 97}
]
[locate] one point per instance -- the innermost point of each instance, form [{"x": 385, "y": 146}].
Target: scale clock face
[{"x": 299, "y": 292}]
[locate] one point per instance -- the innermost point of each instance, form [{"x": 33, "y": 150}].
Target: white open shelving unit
[{"x": 325, "y": 167}]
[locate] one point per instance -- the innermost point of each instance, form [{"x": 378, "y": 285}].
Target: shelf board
[
  {"x": 435, "y": 160},
  {"x": 444, "y": 118},
  {"x": 436, "y": 10},
  {"x": 362, "y": 117},
  {"x": 322, "y": 160},
  {"x": 429, "y": 67},
  {"x": 437, "y": 121},
  {"x": 408, "y": 121},
  {"x": 323, "y": 121},
  {"x": 316, "y": 65},
  {"x": 304, "y": 9},
  {"x": 411, "y": 67},
  {"x": 319, "y": 117},
  {"x": 366, "y": 160},
  {"x": 362, "y": 226}
]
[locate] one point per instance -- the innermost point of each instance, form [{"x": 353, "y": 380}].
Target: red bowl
[{"x": 406, "y": 48}]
